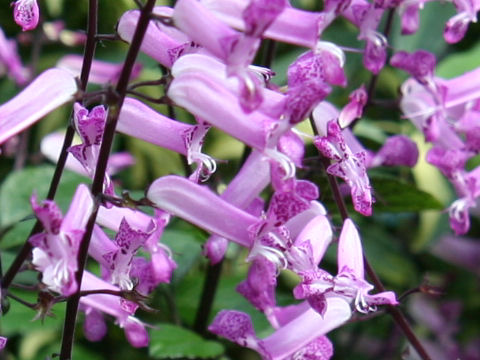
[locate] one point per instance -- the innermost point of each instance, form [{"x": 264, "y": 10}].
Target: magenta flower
[
  {"x": 397, "y": 150},
  {"x": 121, "y": 309},
  {"x": 163, "y": 43},
  {"x": 56, "y": 249},
  {"x": 146, "y": 229},
  {"x": 349, "y": 166},
  {"x": 206, "y": 209},
  {"x": 294, "y": 26},
  {"x": 296, "y": 335},
  {"x": 138, "y": 120},
  {"x": 26, "y": 14},
  {"x": 349, "y": 283},
  {"x": 90, "y": 126},
  {"x": 354, "y": 109},
  {"x": 49, "y": 90},
  {"x": 456, "y": 27},
  {"x": 10, "y": 60},
  {"x": 420, "y": 64},
  {"x": 3, "y": 342}
]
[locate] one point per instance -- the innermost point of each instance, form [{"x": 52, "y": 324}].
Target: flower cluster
[{"x": 208, "y": 48}]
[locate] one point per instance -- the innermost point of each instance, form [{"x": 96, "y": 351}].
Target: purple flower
[
  {"x": 3, "y": 342},
  {"x": 318, "y": 286},
  {"x": 163, "y": 43},
  {"x": 420, "y": 64},
  {"x": 294, "y": 26},
  {"x": 56, "y": 249},
  {"x": 26, "y": 14},
  {"x": 397, "y": 150},
  {"x": 354, "y": 109},
  {"x": 349, "y": 166},
  {"x": 205, "y": 209},
  {"x": 456, "y": 27},
  {"x": 301, "y": 332},
  {"x": 10, "y": 60},
  {"x": 49, "y": 90},
  {"x": 121, "y": 309}
]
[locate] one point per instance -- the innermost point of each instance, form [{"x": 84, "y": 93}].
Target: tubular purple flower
[
  {"x": 288, "y": 339},
  {"x": 260, "y": 14},
  {"x": 163, "y": 43},
  {"x": 268, "y": 102},
  {"x": 397, "y": 150},
  {"x": 317, "y": 287},
  {"x": 367, "y": 17},
  {"x": 122, "y": 310},
  {"x": 49, "y": 90},
  {"x": 90, "y": 126},
  {"x": 242, "y": 192},
  {"x": 354, "y": 109},
  {"x": 420, "y": 64},
  {"x": 204, "y": 28},
  {"x": 209, "y": 100},
  {"x": 310, "y": 245},
  {"x": 292, "y": 25},
  {"x": 138, "y": 120},
  {"x": 3, "y": 342},
  {"x": 118, "y": 261},
  {"x": 102, "y": 72},
  {"x": 26, "y": 14},
  {"x": 349, "y": 166},
  {"x": 410, "y": 16},
  {"x": 204, "y": 208},
  {"x": 160, "y": 267},
  {"x": 456, "y": 27},
  {"x": 94, "y": 326},
  {"x": 55, "y": 250},
  {"x": 11, "y": 62},
  {"x": 259, "y": 286}
]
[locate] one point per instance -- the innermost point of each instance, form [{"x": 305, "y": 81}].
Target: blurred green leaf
[
  {"x": 175, "y": 342},
  {"x": 17, "y": 235},
  {"x": 395, "y": 195},
  {"x": 430, "y": 34},
  {"x": 16, "y": 190},
  {"x": 185, "y": 248},
  {"x": 457, "y": 63}
]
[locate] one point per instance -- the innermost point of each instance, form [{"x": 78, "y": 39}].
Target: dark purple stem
[
  {"x": 88, "y": 55},
  {"x": 115, "y": 101}
]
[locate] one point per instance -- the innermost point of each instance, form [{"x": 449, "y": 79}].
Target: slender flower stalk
[{"x": 111, "y": 123}]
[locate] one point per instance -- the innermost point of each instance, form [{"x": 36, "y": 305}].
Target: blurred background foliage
[{"x": 408, "y": 218}]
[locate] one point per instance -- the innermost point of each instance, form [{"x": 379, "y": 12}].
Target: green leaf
[
  {"x": 17, "y": 235},
  {"x": 185, "y": 248},
  {"x": 458, "y": 63},
  {"x": 430, "y": 33},
  {"x": 16, "y": 190},
  {"x": 395, "y": 195},
  {"x": 175, "y": 342}
]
